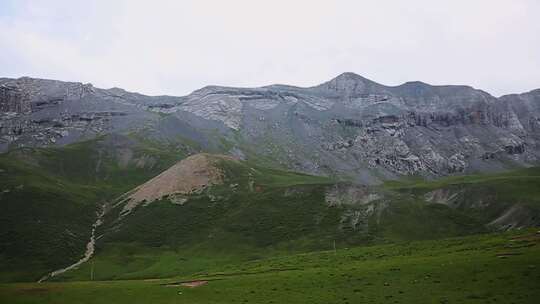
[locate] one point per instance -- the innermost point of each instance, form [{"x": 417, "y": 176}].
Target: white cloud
[{"x": 174, "y": 47}]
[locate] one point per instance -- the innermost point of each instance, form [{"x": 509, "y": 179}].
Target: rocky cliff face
[
  {"x": 38, "y": 112},
  {"x": 351, "y": 125},
  {"x": 347, "y": 126}
]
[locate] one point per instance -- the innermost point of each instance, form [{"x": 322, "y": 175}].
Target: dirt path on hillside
[{"x": 90, "y": 247}]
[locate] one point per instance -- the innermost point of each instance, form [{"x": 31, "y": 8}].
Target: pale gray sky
[{"x": 175, "y": 47}]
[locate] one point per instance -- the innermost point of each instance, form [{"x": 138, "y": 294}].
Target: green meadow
[{"x": 491, "y": 268}]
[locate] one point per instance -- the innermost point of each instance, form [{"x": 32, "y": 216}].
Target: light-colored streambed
[{"x": 90, "y": 247}]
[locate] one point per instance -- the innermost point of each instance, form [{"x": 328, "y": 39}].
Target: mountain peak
[
  {"x": 350, "y": 76},
  {"x": 416, "y": 83},
  {"x": 351, "y": 83}
]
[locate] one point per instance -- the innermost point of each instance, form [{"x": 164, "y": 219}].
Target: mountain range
[
  {"x": 349, "y": 126},
  {"x": 223, "y": 175}
]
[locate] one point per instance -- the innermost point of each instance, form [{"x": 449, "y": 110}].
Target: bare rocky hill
[{"x": 190, "y": 175}]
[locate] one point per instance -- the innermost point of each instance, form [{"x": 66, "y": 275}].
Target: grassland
[{"x": 493, "y": 268}]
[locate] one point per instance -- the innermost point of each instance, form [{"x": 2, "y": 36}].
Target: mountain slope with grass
[
  {"x": 252, "y": 212},
  {"x": 195, "y": 182},
  {"x": 215, "y": 209},
  {"x": 49, "y": 197}
]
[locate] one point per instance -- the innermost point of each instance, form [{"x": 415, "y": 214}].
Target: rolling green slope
[{"x": 503, "y": 200}]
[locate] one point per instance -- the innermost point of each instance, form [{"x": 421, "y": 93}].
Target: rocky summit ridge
[{"x": 349, "y": 126}]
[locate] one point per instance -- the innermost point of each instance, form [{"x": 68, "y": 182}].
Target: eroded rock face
[
  {"x": 39, "y": 112},
  {"x": 351, "y": 124},
  {"x": 13, "y": 99},
  {"x": 448, "y": 197},
  {"x": 348, "y": 194},
  {"x": 515, "y": 217},
  {"x": 502, "y": 215},
  {"x": 359, "y": 203}
]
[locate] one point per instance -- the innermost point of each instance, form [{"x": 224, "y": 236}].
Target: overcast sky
[{"x": 174, "y": 47}]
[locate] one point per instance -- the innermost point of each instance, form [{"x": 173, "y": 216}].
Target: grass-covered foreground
[{"x": 495, "y": 268}]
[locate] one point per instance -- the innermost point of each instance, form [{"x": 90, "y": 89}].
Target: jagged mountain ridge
[{"x": 348, "y": 126}]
